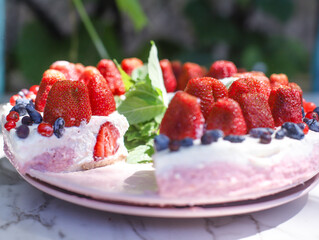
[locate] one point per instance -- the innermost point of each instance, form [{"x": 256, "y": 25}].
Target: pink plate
[{"x": 212, "y": 210}]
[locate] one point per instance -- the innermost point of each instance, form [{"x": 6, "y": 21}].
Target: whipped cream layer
[{"x": 74, "y": 148}]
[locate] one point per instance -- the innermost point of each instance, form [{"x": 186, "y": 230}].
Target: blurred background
[{"x": 272, "y": 36}]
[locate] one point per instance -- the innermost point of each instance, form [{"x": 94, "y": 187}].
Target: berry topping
[
  {"x": 309, "y": 106},
  {"x": 112, "y": 76},
  {"x": 34, "y": 89},
  {"x": 189, "y": 71},
  {"x": 13, "y": 115},
  {"x": 303, "y": 126},
  {"x": 45, "y": 129},
  {"x": 177, "y": 68},
  {"x": 265, "y": 138},
  {"x": 9, "y": 125},
  {"x": 281, "y": 133},
  {"x": 174, "y": 145},
  {"x": 293, "y": 130},
  {"x": 168, "y": 75},
  {"x": 69, "y": 100},
  {"x": 20, "y": 108},
  {"x": 69, "y": 70},
  {"x": 58, "y": 127},
  {"x": 303, "y": 112},
  {"x": 278, "y": 79},
  {"x": 49, "y": 78},
  {"x": 101, "y": 98},
  {"x": 106, "y": 141},
  {"x": 316, "y": 110},
  {"x": 312, "y": 115},
  {"x": 222, "y": 69},
  {"x": 257, "y": 132},
  {"x": 312, "y": 124},
  {"x": 34, "y": 114},
  {"x": 211, "y": 136},
  {"x": 26, "y": 120},
  {"x": 234, "y": 138},
  {"x": 208, "y": 90},
  {"x": 227, "y": 116},
  {"x": 295, "y": 86},
  {"x": 183, "y": 118},
  {"x": 129, "y": 64},
  {"x": 14, "y": 98},
  {"x": 187, "y": 142},
  {"x": 161, "y": 142},
  {"x": 23, "y": 131}
]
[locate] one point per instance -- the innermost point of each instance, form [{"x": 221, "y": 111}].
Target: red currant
[
  {"x": 45, "y": 129},
  {"x": 9, "y": 125},
  {"x": 309, "y": 106},
  {"x": 34, "y": 89},
  {"x": 312, "y": 115},
  {"x": 306, "y": 129},
  {"x": 14, "y": 98},
  {"x": 31, "y": 96},
  {"x": 13, "y": 116}
]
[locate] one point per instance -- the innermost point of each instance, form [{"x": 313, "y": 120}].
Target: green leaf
[
  {"x": 133, "y": 9},
  {"x": 127, "y": 80},
  {"x": 139, "y": 155},
  {"x": 140, "y": 73}
]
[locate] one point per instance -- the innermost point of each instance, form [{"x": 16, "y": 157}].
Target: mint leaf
[
  {"x": 127, "y": 80},
  {"x": 139, "y": 74},
  {"x": 139, "y": 155}
]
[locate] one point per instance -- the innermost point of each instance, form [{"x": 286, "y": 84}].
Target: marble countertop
[{"x": 27, "y": 213}]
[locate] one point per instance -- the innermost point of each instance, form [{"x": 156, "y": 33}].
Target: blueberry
[
  {"x": 257, "y": 132},
  {"x": 26, "y": 120},
  {"x": 161, "y": 142},
  {"x": 19, "y": 108},
  {"x": 174, "y": 145},
  {"x": 211, "y": 136},
  {"x": 313, "y": 125},
  {"x": 23, "y": 101},
  {"x": 58, "y": 127},
  {"x": 34, "y": 114},
  {"x": 265, "y": 138},
  {"x": 303, "y": 112},
  {"x": 281, "y": 133},
  {"x": 22, "y": 131},
  {"x": 293, "y": 130},
  {"x": 187, "y": 142},
  {"x": 301, "y": 125},
  {"x": 234, "y": 138}
]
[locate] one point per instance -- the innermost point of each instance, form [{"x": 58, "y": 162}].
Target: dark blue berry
[
  {"x": 187, "y": 142},
  {"x": 174, "y": 145},
  {"x": 58, "y": 127},
  {"x": 26, "y": 120},
  {"x": 34, "y": 114},
  {"x": 313, "y": 125},
  {"x": 293, "y": 130},
  {"x": 257, "y": 132},
  {"x": 161, "y": 142},
  {"x": 23, "y": 101},
  {"x": 281, "y": 133},
  {"x": 19, "y": 108},
  {"x": 265, "y": 138},
  {"x": 211, "y": 136},
  {"x": 316, "y": 110},
  {"x": 303, "y": 112},
  {"x": 301, "y": 125},
  {"x": 23, "y": 131},
  {"x": 234, "y": 138}
]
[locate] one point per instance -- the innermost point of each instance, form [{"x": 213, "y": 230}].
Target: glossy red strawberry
[
  {"x": 106, "y": 141},
  {"x": 222, "y": 69},
  {"x": 69, "y": 100},
  {"x": 278, "y": 79},
  {"x": 168, "y": 75},
  {"x": 49, "y": 78},
  {"x": 248, "y": 85},
  {"x": 183, "y": 118},
  {"x": 129, "y": 64},
  {"x": 254, "y": 74},
  {"x": 208, "y": 90},
  {"x": 112, "y": 76},
  {"x": 308, "y": 106},
  {"x": 297, "y": 88},
  {"x": 101, "y": 97},
  {"x": 69, "y": 70},
  {"x": 227, "y": 116},
  {"x": 256, "y": 110},
  {"x": 285, "y": 105},
  {"x": 189, "y": 71},
  {"x": 177, "y": 68}
]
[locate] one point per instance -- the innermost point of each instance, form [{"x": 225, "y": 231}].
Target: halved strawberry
[
  {"x": 106, "y": 141},
  {"x": 129, "y": 64},
  {"x": 227, "y": 116},
  {"x": 183, "y": 118},
  {"x": 48, "y": 79},
  {"x": 69, "y": 100},
  {"x": 168, "y": 75},
  {"x": 70, "y": 70},
  {"x": 208, "y": 90},
  {"x": 189, "y": 71},
  {"x": 101, "y": 97},
  {"x": 222, "y": 69},
  {"x": 112, "y": 76}
]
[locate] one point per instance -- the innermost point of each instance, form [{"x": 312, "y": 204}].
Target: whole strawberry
[
  {"x": 256, "y": 110},
  {"x": 48, "y": 79},
  {"x": 183, "y": 118},
  {"x": 129, "y": 64},
  {"x": 227, "y": 116},
  {"x": 208, "y": 90},
  {"x": 189, "y": 71},
  {"x": 254, "y": 74},
  {"x": 297, "y": 88},
  {"x": 69, "y": 100},
  {"x": 168, "y": 75},
  {"x": 222, "y": 69},
  {"x": 285, "y": 105},
  {"x": 277, "y": 80},
  {"x": 70, "y": 70},
  {"x": 177, "y": 68},
  {"x": 112, "y": 76},
  {"x": 101, "y": 97}
]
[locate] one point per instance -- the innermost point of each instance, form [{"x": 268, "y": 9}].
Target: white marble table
[{"x": 27, "y": 213}]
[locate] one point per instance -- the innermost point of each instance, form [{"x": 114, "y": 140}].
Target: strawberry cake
[
  {"x": 233, "y": 136},
  {"x": 67, "y": 123}
]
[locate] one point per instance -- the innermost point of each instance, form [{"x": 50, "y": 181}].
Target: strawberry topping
[
  {"x": 222, "y": 69},
  {"x": 189, "y": 71},
  {"x": 129, "y": 64},
  {"x": 168, "y": 75}
]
